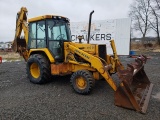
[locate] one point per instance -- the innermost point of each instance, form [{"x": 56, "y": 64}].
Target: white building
[{"x": 4, "y": 46}]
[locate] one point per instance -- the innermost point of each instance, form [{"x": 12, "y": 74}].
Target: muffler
[{"x": 135, "y": 88}]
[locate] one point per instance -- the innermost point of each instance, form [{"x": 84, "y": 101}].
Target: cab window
[
  {"x": 37, "y": 35},
  {"x": 41, "y": 35}
]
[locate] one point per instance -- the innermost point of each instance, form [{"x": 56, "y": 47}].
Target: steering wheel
[{"x": 61, "y": 36}]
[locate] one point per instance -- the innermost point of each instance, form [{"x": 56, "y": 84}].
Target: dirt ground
[{"x": 22, "y": 100}]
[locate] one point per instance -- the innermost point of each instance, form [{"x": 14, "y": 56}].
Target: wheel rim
[
  {"x": 81, "y": 83},
  {"x": 35, "y": 70}
]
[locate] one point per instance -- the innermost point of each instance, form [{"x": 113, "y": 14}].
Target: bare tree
[
  {"x": 158, "y": 3},
  {"x": 140, "y": 11},
  {"x": 155, "y": 17}
]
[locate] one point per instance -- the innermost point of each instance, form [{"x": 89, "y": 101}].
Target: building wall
[{"x": 102, "y": 31}]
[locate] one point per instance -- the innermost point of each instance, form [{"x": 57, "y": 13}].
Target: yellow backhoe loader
[{"x": 48, "y": 50}]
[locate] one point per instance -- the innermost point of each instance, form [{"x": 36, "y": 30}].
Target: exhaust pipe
[{"x": 89, "y": 26}]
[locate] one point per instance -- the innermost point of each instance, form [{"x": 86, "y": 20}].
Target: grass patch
[{"x": 14, "y": 59}]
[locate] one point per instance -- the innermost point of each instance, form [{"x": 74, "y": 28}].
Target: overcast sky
[{"x": 75, "y": 10}]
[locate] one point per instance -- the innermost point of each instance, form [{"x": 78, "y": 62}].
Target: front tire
[
  {"x": 82, "y": 81},
  {"x": 38, "y": 69}
]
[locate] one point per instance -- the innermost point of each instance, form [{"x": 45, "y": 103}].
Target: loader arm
[
  {"x": 95, "y": 63},
  {"x": 19, "y": 44},
  {"x": 114, "y": 60}
]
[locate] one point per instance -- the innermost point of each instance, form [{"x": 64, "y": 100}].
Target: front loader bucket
[{"x": 135, "y": 88}]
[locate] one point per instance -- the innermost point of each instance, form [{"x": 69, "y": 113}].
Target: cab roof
[{"x": 46, "y": 17}]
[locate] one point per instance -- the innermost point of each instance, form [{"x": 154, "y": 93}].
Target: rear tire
[
  {"x": 38, "y": 69},
  {"x": 82, "y": 81}
]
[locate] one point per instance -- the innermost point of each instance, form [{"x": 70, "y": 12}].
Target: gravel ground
[{"x": 22, "y": 100}]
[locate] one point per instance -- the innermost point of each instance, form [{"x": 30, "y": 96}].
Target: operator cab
[{"x": 50, "y": 32}]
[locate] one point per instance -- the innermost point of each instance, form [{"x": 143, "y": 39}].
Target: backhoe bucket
[
  {"x": 18, "y": 43},
  {"x": 135, "y": 88}
]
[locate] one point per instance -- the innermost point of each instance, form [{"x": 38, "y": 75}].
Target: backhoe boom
[{"x": 19, "y": 44}]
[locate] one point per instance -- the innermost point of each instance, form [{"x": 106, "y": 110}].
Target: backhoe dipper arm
[
  {"x": 19, "y": 45},
  {"x": 95, "y": 63}
]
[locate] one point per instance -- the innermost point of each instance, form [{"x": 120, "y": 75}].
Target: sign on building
[{"x": 103, "y": 31}]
